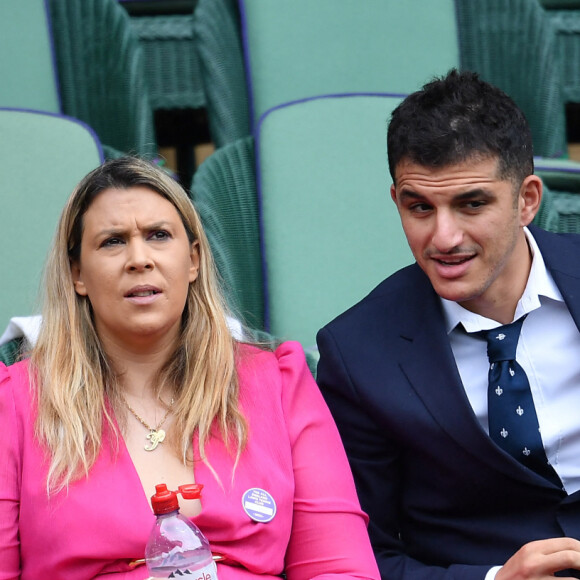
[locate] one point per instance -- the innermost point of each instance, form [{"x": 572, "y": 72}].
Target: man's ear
[
  {"x": 530, "y": 198},
  {"x": 79, "y": 285},
  {"x": 393, "y": 193}
]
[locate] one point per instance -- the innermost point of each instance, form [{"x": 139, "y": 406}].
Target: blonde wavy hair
[{"x": 76, "y": 389}]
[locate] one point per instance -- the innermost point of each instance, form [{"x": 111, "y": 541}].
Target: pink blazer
[{"x": 101, "y": 524}]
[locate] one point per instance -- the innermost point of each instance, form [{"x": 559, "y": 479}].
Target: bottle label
[
  {"x": 193, "y": 572},
  {"x": 208, "y": 572}
]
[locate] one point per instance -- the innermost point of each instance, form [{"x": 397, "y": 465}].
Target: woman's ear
[
  {"x": 194, "y": 257},
  {"x": 80, "y": 288}
]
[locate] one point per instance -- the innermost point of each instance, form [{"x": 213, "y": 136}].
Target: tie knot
[{"x": 502, "y": 342}]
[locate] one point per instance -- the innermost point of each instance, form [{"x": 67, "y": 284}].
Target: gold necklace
[{"x": 156, "y": 435}]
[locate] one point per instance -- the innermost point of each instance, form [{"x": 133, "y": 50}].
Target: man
[{"x": 405, "y": 372}]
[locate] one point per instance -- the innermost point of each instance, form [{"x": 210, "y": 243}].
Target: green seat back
[
  {"x": 218, "y": 43},
  {"x": 172, "y": 65},
  {"x": 559, "y": 174},
  {"x": 26, "y": 60},
  {"x": 43, "y": 157},
  {"x": 224, "y": 194},
  {"x": 102, "y": 73},
  {"x": 560, "y": 211},
  {"x": 565, "y": 214},
  {"x": 330, "y": 229},
  {"x": 512, "y": 44},
  {"x": 567, "y": 28},
  {"x": 307, "y": 48}
]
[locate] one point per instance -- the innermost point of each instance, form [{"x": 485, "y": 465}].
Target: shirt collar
[{"x": 540, "y": 285}]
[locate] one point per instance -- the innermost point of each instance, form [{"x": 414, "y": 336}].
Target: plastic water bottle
[{"x": 176, "y": 546}]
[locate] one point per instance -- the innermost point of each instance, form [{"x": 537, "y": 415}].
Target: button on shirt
[{"x": 547, "y": 350}]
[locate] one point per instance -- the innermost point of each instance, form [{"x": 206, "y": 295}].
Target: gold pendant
[{"x": 156, "y": 436}]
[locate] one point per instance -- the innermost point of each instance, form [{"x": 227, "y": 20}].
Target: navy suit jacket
[{"x": 444, "y": 500}]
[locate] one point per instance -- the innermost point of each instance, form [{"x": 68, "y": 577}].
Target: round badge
[{"x": 259, "y": 505}]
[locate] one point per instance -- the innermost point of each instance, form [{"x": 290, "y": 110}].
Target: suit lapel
[{"x": 561, "y": 253}]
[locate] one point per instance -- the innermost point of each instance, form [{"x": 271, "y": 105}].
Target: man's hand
[{"x": 541, "y": 559}]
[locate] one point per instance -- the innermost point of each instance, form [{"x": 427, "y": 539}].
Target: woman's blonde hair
[{"x": 75, "y": 386}]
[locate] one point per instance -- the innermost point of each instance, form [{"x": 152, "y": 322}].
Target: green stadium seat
[
  {"x": 512, "y": 44},
  {"x": 101, "y": 74},
  {"x": 43, "y": 158},
  {"x": 330, "y": 231},
  {"x": 29, "y": 78},
  {"x": 224, "y": 193}
]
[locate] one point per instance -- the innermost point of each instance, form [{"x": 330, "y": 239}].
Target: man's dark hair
[{"x": 458, "y": 117}]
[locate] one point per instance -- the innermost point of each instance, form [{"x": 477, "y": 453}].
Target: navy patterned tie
[{"x": 513, "y": 423}]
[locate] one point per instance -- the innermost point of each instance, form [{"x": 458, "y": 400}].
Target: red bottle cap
[
  {"x": 190, "y": 490},
  {"x": 165, "y": 500}
]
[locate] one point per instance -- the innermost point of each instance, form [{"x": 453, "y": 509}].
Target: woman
[{"x": 136, "y": 380}]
